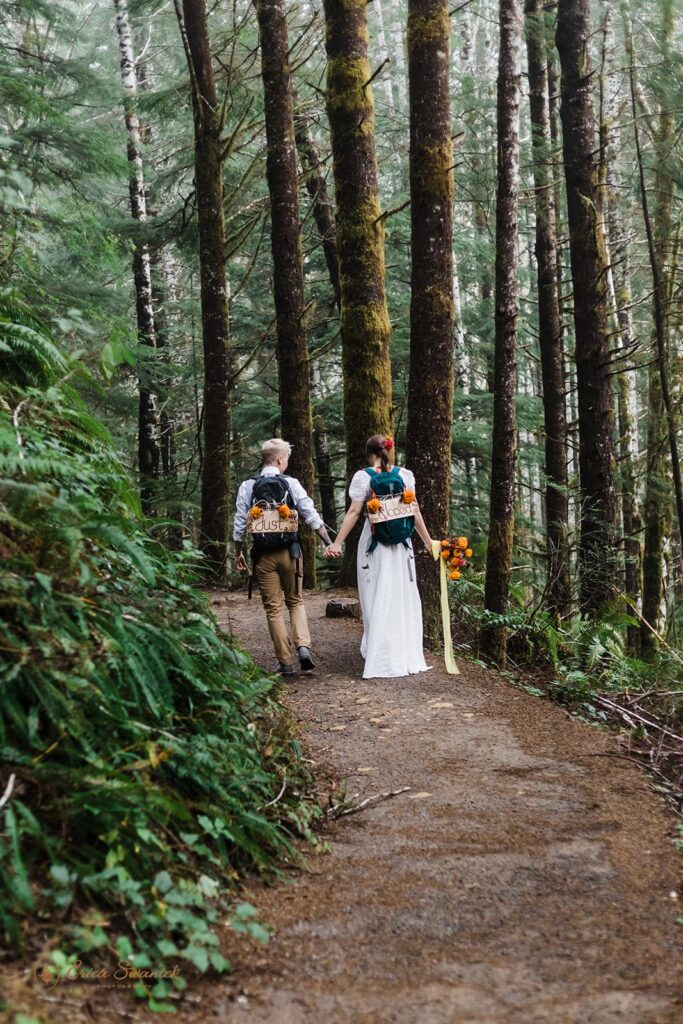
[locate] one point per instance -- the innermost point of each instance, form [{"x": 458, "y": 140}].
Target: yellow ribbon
[{"x": 449, "y": 656}]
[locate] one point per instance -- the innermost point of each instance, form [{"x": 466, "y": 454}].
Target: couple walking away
[{"x": 269, "y": 506}]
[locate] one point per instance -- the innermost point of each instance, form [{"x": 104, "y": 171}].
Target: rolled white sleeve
[
  {"x": 239, "y": 527},
  {"x": 304, "y": 504}
]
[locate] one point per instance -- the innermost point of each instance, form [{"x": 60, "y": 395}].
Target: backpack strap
[{"x": 372, "y": 473}]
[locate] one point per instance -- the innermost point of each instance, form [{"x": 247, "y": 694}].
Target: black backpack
[{"x": 273, "y": 490}]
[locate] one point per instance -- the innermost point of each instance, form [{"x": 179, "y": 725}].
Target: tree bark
[
  {"x": 662, "y": 431},
  {"x": 288, "y": 277},
  {"x": 549, "y": 323},
  {"x": 430, "y": 388},
  {"x": 321, "y": 205},
  {"x": 597, "y": 552},
  {"x": 148, "y": 414},
  {"x": 502, "y": 505},
  {"x": 214, "y": 295},
  {"x": 365, "y": 327},
  {"x": 323, "y": 214},
  {"x": 621, "y": 298}
]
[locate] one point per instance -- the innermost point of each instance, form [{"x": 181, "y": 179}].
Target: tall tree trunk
[
  {"x": 430, "y": 388},
  {"x": 208, "y": 168},
  {"x": 365, "y": 327},
  {"x": 597, "y": 555},
  {"x": 661, "y": 415},
  {"x": 323, "y": 215},
  {"x": 328, "y": 504},
  {"x": 387, "y": 84},
  {"x": 288, "y": 275},
  {"x": 620, "y": 293},
  {"x": 502, "y": 506},
  {"x": 163, "y": 277},
  {"x": 316, "y": 186},
  {"x": 148, "y": 414},
  {"x": 550, "y": 330}
]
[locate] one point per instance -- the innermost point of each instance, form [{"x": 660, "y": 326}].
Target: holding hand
[
  {"x": 241, "y": 563},
  {"x": 333, "y": 551}
]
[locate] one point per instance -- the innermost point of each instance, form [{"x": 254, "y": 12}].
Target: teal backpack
[{"x": 398, "y": 531}]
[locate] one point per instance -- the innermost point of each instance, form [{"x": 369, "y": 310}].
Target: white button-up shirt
[{"x": 302, "y": 502}]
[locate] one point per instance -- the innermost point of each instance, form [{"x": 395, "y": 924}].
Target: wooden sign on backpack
[{"x": 393, "y": 507}]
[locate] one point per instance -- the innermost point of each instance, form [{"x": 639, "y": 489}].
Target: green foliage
[{"x": 148, "y": 749}]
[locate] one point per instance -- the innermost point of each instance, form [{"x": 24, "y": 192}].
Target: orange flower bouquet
[{"x": 456, "y": 553}]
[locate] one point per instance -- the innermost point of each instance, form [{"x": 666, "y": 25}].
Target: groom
[{"x": 278, "y": 573}]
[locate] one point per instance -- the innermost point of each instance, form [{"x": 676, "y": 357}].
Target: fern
[{"x": 128, "y": 718}]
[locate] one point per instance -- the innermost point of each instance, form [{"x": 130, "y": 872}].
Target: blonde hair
[{"x": 275, "y": 449}]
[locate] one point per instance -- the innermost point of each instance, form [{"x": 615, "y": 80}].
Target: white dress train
[{"x": 389, "y": 598}]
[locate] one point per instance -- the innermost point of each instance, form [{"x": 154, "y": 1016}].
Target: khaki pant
[{"x": 275, "y": 574}]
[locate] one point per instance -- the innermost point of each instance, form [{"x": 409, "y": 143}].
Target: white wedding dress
[{"x": 389, "y": 598}]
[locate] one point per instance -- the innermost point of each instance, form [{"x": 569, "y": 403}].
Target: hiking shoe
[
  {"x": 286, "y": 670},
  {"x": 305, "y": 659}
]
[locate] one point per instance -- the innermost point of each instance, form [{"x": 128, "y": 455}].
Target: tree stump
[{"x": 343, "y": 608}]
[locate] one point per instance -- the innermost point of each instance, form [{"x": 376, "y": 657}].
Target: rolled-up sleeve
[
  {"x": 239, "y": 527},
  {"x": 305, "y": 506}
]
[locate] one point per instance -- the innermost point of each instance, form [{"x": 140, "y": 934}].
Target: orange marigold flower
[
  {"x": 454, "y": 563},
  {"x": 408, "y": 497},
  {"x": 455, "y": 575},
  {"x": 374, "y": 504},
  {"x": 445, "y": 543},
  {"x": 462, "y": 542},
  {"x": 468, "y": 552},
  {"x": 445, "y": 554},
  {"x": 255, "y": 512},
  {"x": 284, "y": 510}
]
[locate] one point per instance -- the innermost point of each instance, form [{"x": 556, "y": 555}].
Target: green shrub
[{"x": 148, "y": 750}]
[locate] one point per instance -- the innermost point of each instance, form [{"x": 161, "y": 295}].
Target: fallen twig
[
  {"x": 340, "y": 810},
  {"x": 8, "y": 790},
  {"x": 271, "y": 803},
  {"x": 627, "y": 716}
]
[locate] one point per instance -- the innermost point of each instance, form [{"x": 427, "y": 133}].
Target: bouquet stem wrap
[{"x": 449, "y": 656}]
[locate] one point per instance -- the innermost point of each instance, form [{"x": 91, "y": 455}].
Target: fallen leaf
[
  {"x": 362, "y": 700},
  {"x": 467, "y": 714},
  {"x": 373, "y": 768},
  {"x": 376, "y": 720},
  {"x": 337, "y": 728},
  {"x": 418, "y": 796},
  {"x": 442, "y": 704}
]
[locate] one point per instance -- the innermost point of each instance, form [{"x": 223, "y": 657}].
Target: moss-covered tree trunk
[
  {"x": 504, "y": 447},
  {"x": 208, "y": 174},
  {"x": 597, "y": 551},
  {"x": 658, "y": 504},
  {"x": 321, "y": 205},
  {"x": 288, "y": 277},
  {"x": 549, "y": 324},
  {"x": 618, "y": 231},
  {"x": 430, "y": 388},
  {"x": 148, "y": 412},
  {"x": 365, "y": 327},
  {"x": 323, "y": 214}
]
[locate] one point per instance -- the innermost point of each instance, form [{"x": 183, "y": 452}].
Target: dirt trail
[{"x": 523, "y": 880}]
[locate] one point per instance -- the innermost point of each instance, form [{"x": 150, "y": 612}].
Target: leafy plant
[{"x": 147, "y": 747}]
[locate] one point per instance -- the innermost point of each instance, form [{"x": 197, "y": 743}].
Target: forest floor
[{"x": 527, "y": 876}]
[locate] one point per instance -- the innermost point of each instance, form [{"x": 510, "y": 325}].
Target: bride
[{"x": 389, "y": 598}]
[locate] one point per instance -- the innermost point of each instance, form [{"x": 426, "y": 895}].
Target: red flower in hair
[{"x": 387, "y": 444}]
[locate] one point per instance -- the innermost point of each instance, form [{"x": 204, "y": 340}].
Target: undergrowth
[{"x": 152, "y": 763}]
